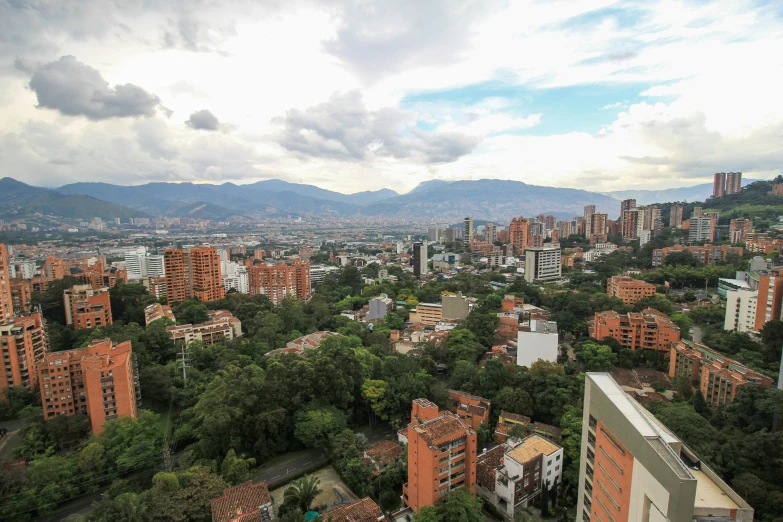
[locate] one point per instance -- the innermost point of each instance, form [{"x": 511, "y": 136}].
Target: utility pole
[{"x": 183, "y": 362}]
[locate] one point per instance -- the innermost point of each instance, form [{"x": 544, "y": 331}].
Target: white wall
[{"x": 532, "y": 346}]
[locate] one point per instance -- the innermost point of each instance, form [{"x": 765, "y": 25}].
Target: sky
[{"x": 361, "y": 95}]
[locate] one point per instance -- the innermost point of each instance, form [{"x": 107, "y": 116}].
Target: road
[
  {"x": 311, "y": 460},
  {"x": 11, "y": 439},
  {"x": 696, "y": 334}
]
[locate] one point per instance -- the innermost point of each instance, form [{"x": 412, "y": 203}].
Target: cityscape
[{"x": 391, "y": 262}]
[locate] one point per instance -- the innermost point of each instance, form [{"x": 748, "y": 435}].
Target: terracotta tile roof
[
  {"x": 382, "y": 454},
  {"x": 476, "y": 410},
  {"x": 532, "y": 447},
  {"x": 364, "y": 510},
  {"x": 504, "y": 429},
  {"x": 280, "y": 351},
  {"x": 446, "y": 425},
  {"x": 486, "y": 464},
  {"x": 241, "y": 503},
  {"x": 514, "y": 417},
  {"x": 548, "y": 428}
]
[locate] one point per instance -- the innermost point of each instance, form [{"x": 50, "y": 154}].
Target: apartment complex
[
  {"x": 741, "y": 310},
  {"x": 21, "y": 295},
  {"x": 519, "y": 234},
  {"x": 701, "y": 229},
  {"x": 23, "y": 345},
  {"x": 6, "y": 302},
  {"x": 633, "y": 469},
  {"x": 718, "y": 377},
  {"x": 280, "y": 281},
  {"x": 86, "y": 307},
  {"x": 100, "y": 380},
  {"x": 648, "y": 330},
  {"x": 221, "y": 325},
  {"x": 427, "y": 313},
  {"x": 629, "y": 290},
  {"x": 512, "y": 475},
  {"x": 472, "y": 409},
  {"x": 706, "y": 254},
  {"x": 193, "y": 274},
  {"x": 739, "y": 229},
  {"x": 441, "y": 455},
  {"x": 539, "y": 340},
  {"x": 542, "y": 264},
  {"x": 467, "y": 231},
  {"x": 157, "y": 311}
]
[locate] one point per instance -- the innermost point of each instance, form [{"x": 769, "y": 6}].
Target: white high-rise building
[
  {"x": 741, "y": 308},
  {"x": 135, "y": 263},
  {"x": 542, "y": 263},
  {"x": 234, "y": 277},
  {"x": 155, "y": 266},
  {"x": 26, "y": 269}
]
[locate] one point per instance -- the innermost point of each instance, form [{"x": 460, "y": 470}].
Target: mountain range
[{"x": 446, "y": 201}]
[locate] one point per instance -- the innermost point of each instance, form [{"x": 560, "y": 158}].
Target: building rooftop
[
  {"x": 440, "y": 427},
  {"x": 487, "y": 463},
  {"x": 364, "y": 510},
  {"x": 531, "y": 447},
  {"x": 514, "y": 417},
  {"x": 241, "y": 502}
]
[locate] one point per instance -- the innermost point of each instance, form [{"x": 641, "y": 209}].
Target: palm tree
[{"x": 302, "y": 492}]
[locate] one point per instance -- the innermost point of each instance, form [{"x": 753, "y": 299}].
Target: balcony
[{"x": 111, "y": 417}]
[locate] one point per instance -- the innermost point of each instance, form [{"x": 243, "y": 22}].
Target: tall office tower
[
  {"x": 135, "y": 263},
  {"x": 280, "y": 281},
  {"x": 633, "y": 469},
  {"x": 6, "y": 302},
  {"x": 542, "y": 264},
  {"x": 719, "y": 185},
  {"x": 625, "y": 205},
  {"x": 519, "y": 234},
  {"x": 733, "y": 183},
  {"x": 420, "y": 259},
  {"x": 99, "y": 380},
  {"x": 467, "y": 231},
  {"x": 490, "y": 233},
  {"x": 441, "y": 455},
  {"x": 86, "y": 307},
  {"x": 675, "y": 216},
  {"x": 702, "y": 229},
  {"x": 697, "y": 212},
  {"x": 23, "y": 344},
  {"x": 53, "y": 268},
  {"x": 193, "y": 273},
  {"x": 550, "y": 222},
  {"x": 589, "y": 211}
]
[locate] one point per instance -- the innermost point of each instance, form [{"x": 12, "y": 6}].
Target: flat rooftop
[{"x": 708, "y": 494}]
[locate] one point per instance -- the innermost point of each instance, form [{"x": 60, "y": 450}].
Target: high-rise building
[
  {"x": 741, "y": 310},
  {"x": 697, "y": 212},
  {"x": 648, "y": 330},
  {"x": 21, "y": 295},
  {"x": 733, "y": 183},
  {"x": 280, "y": 281},
  {"x": 701, "y": 229},
  {"x": 490, "y": 233},
  {"x": 564, "y": 229},
  {"x": 626, "y": 205},
  {"x": 629, "y": 290},
  {"x": 738, "y": 230},
  {"x": 633, "y": 469},
  {"x": 598, "y": 224},
  {"x": 550, "y": 222},
  {"x": 6, "y": 302},
  {"x": 100, "y": 380},
  {"x": 467, "y": 231},
  {"x": 542, "y": 264},
  {"x": 441, "y": 455},
  {"x": 234, "y": 277},
  {"x": 717, "y": 377},
  {"x": 23, "y": 344},
  {"x": 419, "y": 259},
  {"x": 53, "y": 268},
  {"x": 630, "y": 225},
  {"x": 675, "y": 216},
  {"x": 155, "y": 266},
  {"x": 135, "y": 263},
  {"x": 193, "y": 273},
  {"x": 519, "y": 234},
  {"x": 86, "y": 307},
  {"x": 719, "y": 185},
  {"x": 589, "y": 211},
  {"x": 435, "y": 235}
]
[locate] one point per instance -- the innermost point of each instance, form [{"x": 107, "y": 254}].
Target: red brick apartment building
[
  {"x": 280, "y": 281},
  {"x": 23, "y": 344},
  {"x": 193, "y": 274},
  {"x": 99, "y": 380},
  {"x": 718, "y": 377},
  {"x": 441, "y": 455},
  {"x": 706, "y": 254},
  {"x": 629, "y": 290},
  {"x": 86, "y": 307},
  {"x": 649, "y": 330},
  {"x": 470, "y": 408},
  {"x": 6, "y": 303}
]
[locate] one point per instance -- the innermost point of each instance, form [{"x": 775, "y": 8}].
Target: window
[{"x": 557, "y": 458}]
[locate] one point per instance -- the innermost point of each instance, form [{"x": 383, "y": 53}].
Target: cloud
[
  {"x": 612, "y": 106},
  {"x": 203, "y": 120},
  {"x": 76, "y": 89},
  {"x": 344, "y": 129}
]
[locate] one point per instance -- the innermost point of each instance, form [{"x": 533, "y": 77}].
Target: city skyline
[{"x": 361, "y": 97}]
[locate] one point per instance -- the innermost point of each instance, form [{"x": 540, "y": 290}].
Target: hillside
[
  {"x": 693, "y": 193},
  {"x": 18, "y": 200}
]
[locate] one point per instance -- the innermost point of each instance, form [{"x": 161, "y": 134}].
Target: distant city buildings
[
  {"x": 280, "y": 281},
  {"x": 675, "y": 216},
  {"x": 739, "y": 230},
  {"x": 6, "y": 302},
  {"x": 519, "y": 234},
  {"x": 706, "y": 254},
  {"x": 419, "y": 259},
  {"x": 633, "y": 469},
  {"x": 726, "y": 184},
  {"x": 467, "y": 231}
]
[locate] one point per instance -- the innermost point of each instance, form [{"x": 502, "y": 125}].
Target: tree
[
  {"x": 191, "y": 501},
  {"x": 234, "y": 469},
  {"x": 513, "y": 400},
  {"x": 302, "y": 492},
  {"x": 315, "y": 426},
  {"x": 596, "y": 357},
  {"x": 682, "y": 259},
  {"x": 461, "y": 506},
  {"x": 191, "y": 312},
  {"x": 92, "y": 459},
  {"x": 428, "y": 514}
]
